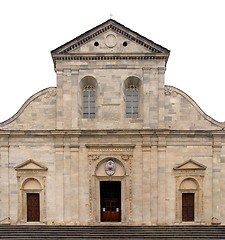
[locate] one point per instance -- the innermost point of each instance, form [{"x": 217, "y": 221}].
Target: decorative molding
[
  {"x": 93, "y": 157},
  {"x": 126, "y": 157},
  {"x": 51, "y": 93},
  {"x": 109, "y": 57},
  {"x": 110, "y": 147}
]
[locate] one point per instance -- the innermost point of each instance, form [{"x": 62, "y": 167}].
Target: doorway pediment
[
  {"x": 30, "y": 165},
  {"x": 190, "y": 165}
]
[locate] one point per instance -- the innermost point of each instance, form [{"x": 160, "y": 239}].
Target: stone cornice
[
  {"x": 143, "y": 132},
  {"x": 108, "y": 57}
]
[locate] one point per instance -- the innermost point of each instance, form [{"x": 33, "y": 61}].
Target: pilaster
[
  {"x": 146, "y": 97},
  {"x": 146, "y": 155},
  {"x": 75, "y": 99},
  {"x": 67, "y": 181},
  {"x": 161, "y": 179},
  {"x": 216, "y": 150},
  {"x": 154, "y": 180},
  {"x": 4, "y": 178},
  {"x": 59, "y": 100},
  {"x": 59, "y": 180},
  {"x": 67, "y": 108},
  {"x": 161, "y": 101},
  {"x": 74, "y": 175}
]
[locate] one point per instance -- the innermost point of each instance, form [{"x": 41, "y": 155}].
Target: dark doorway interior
[
  {"x": 33, "y": 208},
  {"x": 110, "y": 193},
  {"x": 188, "y": 207}
]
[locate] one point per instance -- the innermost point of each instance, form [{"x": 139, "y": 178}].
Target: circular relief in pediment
[{"x": 110, "y": 41}]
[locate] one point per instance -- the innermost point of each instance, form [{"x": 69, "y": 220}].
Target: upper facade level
[{"x": 110, "y": 77}]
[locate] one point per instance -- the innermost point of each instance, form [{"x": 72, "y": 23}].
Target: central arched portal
[{"x": 110, "y": 197}]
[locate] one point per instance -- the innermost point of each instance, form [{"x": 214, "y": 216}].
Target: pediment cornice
[
  {"x": 190, "y": 165},
  {"x": 64, "y": 52},
  {"x": 30, "y": 165}
]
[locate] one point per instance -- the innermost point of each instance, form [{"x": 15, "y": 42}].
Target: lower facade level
[{"x": 130, "y": 180}]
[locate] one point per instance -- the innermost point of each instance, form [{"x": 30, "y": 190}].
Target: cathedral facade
[{"x": 111, "y": 143}]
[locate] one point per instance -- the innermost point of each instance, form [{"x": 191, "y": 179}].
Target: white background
[{"x": 194, "y": 31}]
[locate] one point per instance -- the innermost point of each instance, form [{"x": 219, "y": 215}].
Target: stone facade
[{"x": 169, "y": 151}]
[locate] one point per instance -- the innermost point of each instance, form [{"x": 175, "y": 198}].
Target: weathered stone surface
[{"x": 172, "y": 148}]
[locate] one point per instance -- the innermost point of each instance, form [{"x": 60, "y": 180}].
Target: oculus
[{"x": 110, "y": 167}]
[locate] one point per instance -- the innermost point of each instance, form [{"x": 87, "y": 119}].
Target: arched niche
[
  {"x": 32, "y": 184},
  {"x": 189, "y": 184}
]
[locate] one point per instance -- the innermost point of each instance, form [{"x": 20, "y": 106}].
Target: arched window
[
  {"x": 132, "y": 102},
  {"x": 132, "y": 86},
  {"x": 89, "y": 102},
  {"x": 88, "y": 88}
]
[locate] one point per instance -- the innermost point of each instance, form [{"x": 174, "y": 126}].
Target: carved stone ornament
[
  {"x": 125, "y": 157},
  {"x": 93, "y": 157},
  {"x": 110, "y": 167},
  {"x": 170, "y": 91},
  {"x": 51, "y": 93}
]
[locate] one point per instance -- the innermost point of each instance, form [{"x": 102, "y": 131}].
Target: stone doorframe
[
  {"x": 189, "y": 178},
  {"x": 98, "y": 155},
  {"x": 31, "y": 178}
]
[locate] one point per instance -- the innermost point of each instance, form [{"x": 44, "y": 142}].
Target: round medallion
[
  {"x": 110, "y": 167},
  {"x": 110, "y": 41}
]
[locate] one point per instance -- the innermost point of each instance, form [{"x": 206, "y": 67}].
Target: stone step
[{"x": 111, "y": 232}]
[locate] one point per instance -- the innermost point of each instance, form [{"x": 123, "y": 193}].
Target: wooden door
[
  {"x": 110, "y": 194},
  {"x": 111, "y": 210},
  {"x": 188, "y": 207},
  {"x": 33, "y": 208}
]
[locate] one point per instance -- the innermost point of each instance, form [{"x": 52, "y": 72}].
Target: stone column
[
  {"x": 161, "y": 179},
  {"x": 4, "y": 175},
  {"x": 74, "y": 175},
  {"x": 146, "y": 154},
  {"x": 59, "y": 181},
  {"x": 216, "y": 149}
]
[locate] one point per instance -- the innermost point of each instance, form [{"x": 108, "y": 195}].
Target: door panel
[
  {"x": 187, "y": 207},
  {"x": 111, "y": 210},
  {"x": 33, "y": 208}
]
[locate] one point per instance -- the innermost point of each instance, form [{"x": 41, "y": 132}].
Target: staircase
[{"x": 111, "y": 232}]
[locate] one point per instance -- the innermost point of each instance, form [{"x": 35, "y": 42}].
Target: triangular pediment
[
  {"x": 190, "y": 165},
  {"x": 31, "y": 165},
  {"x": 110, "y": 37}
]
